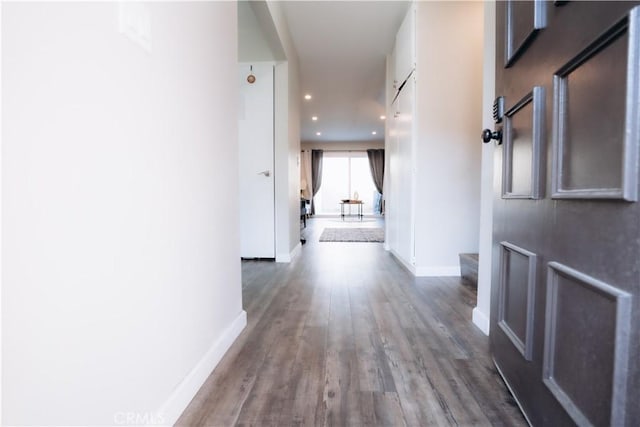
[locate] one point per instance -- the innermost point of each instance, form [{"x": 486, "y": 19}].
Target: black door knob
[{"x": 488, "y": 135}]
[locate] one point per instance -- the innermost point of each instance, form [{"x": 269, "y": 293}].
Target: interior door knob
[
  {"x": 488, "y": 135},
  {"x": 265, "y": 173}
]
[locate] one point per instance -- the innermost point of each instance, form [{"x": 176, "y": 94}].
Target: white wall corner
[
  {"x": 1, "y": 245},
  {"x": 410, "y": 267},
  {"x": 187, "y": 389},
  {"x": 437, "y": 271},
  {"x": 296, "y": 251},
  {"x": 288, "y": 257},
  {"x": 480, "y": 320},
  {"x": 283, "y": 257},
  {"x": 483, "y": 308}
]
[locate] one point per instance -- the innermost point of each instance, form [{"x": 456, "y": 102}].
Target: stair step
[{"x": 469, "y": 268}]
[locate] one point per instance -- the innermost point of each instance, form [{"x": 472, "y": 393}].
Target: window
[{"x": 343, "y": 174}]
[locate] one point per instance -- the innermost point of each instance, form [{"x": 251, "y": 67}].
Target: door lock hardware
[
  {"x": 498, "y": 109},
  {"x": 488, "y": 135}
]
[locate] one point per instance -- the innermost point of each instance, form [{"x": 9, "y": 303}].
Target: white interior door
[{"x": 255, "y": 137}]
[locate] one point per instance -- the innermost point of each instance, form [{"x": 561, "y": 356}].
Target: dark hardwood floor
[{"x": 345, "y": 336}]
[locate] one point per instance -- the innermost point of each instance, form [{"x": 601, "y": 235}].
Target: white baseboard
[
  {"x": 411, "y": 268},
  {"x": 480, "y": 320},
  {"x": 187, "y": 389},
  {"x": 427, "y": 271},
  {"x": 291, "y": 255},
  {"x": 437, "y": 271}
]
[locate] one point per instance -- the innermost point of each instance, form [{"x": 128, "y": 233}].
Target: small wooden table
[{"x": 358, "y": 203}]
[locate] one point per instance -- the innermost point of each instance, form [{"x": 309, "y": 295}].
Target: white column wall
[
  {"x": 287, "y": 142},
  {"x": 481, "y": 313},
  {"x": 433, "y": 147},
  {"x": 120, "y": 265},
  {"x": 449, "y": 51}
]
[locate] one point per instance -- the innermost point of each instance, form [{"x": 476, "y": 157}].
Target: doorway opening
[{"x": 346, "y": 175}]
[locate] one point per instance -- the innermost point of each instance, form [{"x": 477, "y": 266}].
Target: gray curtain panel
[
  {"x": 316, "y": 175},
  {"x": 376, "y": 164}
]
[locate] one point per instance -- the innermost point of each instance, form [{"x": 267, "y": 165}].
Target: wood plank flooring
[{"x": 344, "y": 336}]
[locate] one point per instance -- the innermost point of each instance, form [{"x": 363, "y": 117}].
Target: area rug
[{"x": 352, "y": 235}]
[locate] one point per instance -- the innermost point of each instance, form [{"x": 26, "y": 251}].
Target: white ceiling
[{"x": 342, "y": 46}]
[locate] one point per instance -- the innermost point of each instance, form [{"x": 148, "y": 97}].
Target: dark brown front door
[{"x": 566, "y": 250}]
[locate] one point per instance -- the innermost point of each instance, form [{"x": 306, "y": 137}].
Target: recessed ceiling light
[
  {"x": 314, "y": 118},
  {"x": 307, "y": 97},
  {"x": 383, "y": 117},
  {"x": 374, "y": 132},
  {"x": 318, "y": 133}
]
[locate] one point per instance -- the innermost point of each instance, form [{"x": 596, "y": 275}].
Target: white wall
[
  {"x": 256, "y": 39},
  {"x": 287, "y": 142},
  {"x": 449, "y": 46},
  {"x": 257, "y": 34},
  {"x": 389, "y": 231},
  {"x": 121, "y": 272},
  {"x": 482, "y": 311},
  {"x": 1, "y": 210},
  {"x": 433, "y": 146},
  {"x": 293, "y": 157}
]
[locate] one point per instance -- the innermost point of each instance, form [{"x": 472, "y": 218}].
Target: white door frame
[{"x": 482, "y": 311}]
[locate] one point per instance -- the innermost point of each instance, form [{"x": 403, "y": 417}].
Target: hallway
[{"x": 345, "y": 336}]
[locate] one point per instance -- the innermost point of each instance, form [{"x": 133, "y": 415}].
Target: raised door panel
[
  {"x": 586, "y": 345},
  {"x": 564, "y": 328},
  {"x": 517, "y": 296},
  {"x": 596, "y": 123},
  {"x": 523, "y": 146},
  {"x": 523, "y": 20}
]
